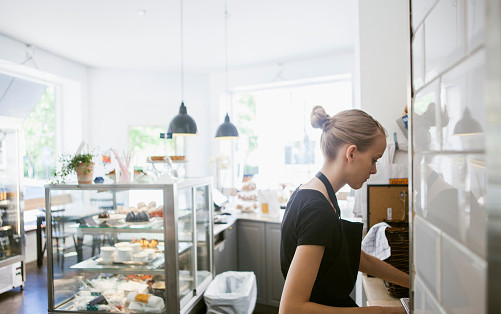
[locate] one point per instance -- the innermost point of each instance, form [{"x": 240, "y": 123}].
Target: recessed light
[{"x": 141, "y": 12}]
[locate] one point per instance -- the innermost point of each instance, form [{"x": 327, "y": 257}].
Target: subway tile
[
  {"x": 463, "y": 278},
  {"x": 473, "y": 195},
  {"x": 427, "y": 253},
  {"x": 419, "y": 10},
  {"x": 419, "y": 295},
  {"x": 462, "y": 101},
  {"x": 424, "y": 118},
  {"x": 424, "y": 301},
  {"x": 475, "y": 23},
  {"x": 444, "y": 37},
  {"x": 418, "y": 58},
  {"x": 431, "y": 305},
  {"x": 442, "y": 178},
  {"x": 418, "y": 199}
]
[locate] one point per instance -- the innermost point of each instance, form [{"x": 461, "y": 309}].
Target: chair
[{"x": 59, "y": 233}]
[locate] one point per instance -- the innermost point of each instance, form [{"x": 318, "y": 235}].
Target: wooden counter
[{"x": 376, "y": 294}]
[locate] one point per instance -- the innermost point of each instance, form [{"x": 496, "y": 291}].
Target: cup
[
  {"x": 151, "y": 253},
  {"x": 122, "y": 244},
  {"x": 140, "y": 257},
  {"x": 108, "y": 254},
  {"x": 124, "y": 254},
  {"x": 136, "y": 248}
]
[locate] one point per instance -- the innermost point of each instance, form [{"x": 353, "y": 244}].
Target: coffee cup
[
  {"x": 124, "y": 254},
  {"x": 108, "y": 253},
  {"x": 122, "y": 244},
  {"x": 136, "y": 248},
  {"x": 151, "y": 253},
  {"x": 140, "y": 257}
]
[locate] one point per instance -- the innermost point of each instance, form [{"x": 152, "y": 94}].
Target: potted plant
[{"x": 82, "y": 164}]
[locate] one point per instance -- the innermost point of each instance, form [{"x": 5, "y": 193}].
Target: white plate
[{"x": 112, "y": 216}]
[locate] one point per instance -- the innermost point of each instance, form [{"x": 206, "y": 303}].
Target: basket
[{"x": 398, "y": 240}]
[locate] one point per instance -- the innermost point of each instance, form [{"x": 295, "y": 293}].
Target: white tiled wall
[{"x": 449, "y": 173}]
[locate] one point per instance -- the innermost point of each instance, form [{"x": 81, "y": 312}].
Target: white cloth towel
[{"x": 375, "y": 242}]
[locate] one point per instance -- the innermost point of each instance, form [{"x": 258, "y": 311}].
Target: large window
[
  {"x": 277, "y": 144},
  {"x": 40, "y": 139}
]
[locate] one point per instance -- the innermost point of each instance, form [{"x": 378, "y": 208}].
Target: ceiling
[{"x": 113, "y": 34}]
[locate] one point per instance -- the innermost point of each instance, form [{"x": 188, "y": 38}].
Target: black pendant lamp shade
[
  {"x": 227, "y": 130},
  {"x": 182, "y": 124},
  {"x": 467, "y": 125}
]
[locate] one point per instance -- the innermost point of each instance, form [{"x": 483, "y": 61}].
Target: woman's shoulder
[
  {"x": 310, "y": 196},
  {"x": 308, "y": 200}
]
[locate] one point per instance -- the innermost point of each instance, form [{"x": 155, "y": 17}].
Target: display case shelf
[
  {"x": 92, "y": 265},
  {"x": 179, "y": 240}
]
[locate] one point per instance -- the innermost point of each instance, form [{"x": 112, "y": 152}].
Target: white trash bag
[{"x": 231, "y": 292}]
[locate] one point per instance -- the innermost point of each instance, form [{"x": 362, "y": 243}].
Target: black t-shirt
[{"x": 310, "y": 219}]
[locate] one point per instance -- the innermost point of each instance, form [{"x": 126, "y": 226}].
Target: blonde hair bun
[{"x": 319, "y": 118}]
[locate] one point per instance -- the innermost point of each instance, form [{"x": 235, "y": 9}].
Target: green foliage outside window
[
  {"x": 247, "y": 125},
  {"x": 40, "y": 138},
  {"x": 146, "y": 140}
]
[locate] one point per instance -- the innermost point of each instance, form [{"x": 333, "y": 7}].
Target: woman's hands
[
  {"x": 301, "y": 277},
  {"x": 375, "y": 267}
]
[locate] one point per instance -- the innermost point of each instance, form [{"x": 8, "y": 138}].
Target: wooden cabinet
[{"x": 259, "y": 251}]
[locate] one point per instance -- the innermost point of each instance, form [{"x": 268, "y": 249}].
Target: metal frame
[{"x": 170, "y": 232}]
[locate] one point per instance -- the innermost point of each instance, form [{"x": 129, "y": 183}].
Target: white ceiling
[{"x": 111, "y": 33}]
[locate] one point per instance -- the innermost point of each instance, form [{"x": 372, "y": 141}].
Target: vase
[{"x": 85, "y": 173}]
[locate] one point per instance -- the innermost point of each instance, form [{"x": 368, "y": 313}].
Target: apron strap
[{"x": 330, "y": 191}]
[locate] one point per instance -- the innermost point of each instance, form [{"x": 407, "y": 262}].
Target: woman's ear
[{"x": 350, "y": 152}]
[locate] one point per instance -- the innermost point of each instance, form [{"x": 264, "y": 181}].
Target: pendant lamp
[
  {"x": 182, "y": 124},
  {"x": 227, "y": 130},
  {"x": 467, "y": 125}
]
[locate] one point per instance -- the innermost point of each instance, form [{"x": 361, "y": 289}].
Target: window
[
  {"x": 145, "y": 141},
  {"x": 40, "y": 138},
  {"x": 278, "y": 145}
]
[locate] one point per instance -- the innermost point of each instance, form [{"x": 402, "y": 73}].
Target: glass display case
[
  {"x": 131, "y": 248},
  {"x": 11, "y": 219}
]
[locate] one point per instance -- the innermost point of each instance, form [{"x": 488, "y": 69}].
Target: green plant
[{"x": 69, "y": 164}]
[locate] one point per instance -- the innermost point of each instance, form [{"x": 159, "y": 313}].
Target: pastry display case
[
  {"x": 129, "y": 248},
  {"x": 11, "y": 219}
]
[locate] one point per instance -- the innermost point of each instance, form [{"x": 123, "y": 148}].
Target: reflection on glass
[
  {"x": 467, "y": 125},
  {"x": 186, "y": 240},
  {"x": 203, "y": 234}
]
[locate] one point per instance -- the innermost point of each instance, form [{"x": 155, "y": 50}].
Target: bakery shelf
[
  {"x": 178, "y": 233},
  {"x": 91, "y": 265}
]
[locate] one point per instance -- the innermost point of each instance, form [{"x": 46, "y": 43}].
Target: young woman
[{"x": 320, "y": 252}]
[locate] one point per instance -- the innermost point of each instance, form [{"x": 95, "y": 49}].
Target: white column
[{"x": 382, "y": 60}]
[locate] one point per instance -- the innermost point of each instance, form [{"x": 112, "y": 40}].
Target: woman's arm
[
  {"x": 299, "y": 284},
  {"x": 375, "y": 267}
]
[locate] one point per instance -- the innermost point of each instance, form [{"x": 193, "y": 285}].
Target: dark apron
[{"x": 345, "y": 268}]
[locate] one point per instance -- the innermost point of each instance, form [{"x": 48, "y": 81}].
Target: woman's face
[{"x": 364, "y": 163}]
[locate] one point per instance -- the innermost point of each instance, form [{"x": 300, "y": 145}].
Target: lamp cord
[
  {"x": 182, "y": 54},
  {"x": 226, "y": 16}
]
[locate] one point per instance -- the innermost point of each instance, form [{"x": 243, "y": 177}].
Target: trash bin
[{"x": 231, "y": 292}]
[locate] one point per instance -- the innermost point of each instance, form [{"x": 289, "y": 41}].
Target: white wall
[
  {"x": 382, "y": 60},
  {"x": 122, "y": 98}
]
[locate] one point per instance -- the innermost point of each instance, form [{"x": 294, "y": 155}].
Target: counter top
[{"x": 376, "y": 293}]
